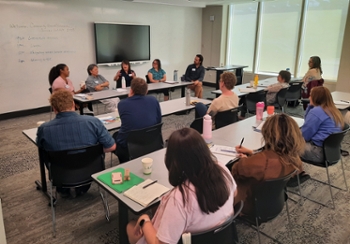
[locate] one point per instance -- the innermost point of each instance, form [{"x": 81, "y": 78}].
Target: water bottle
[
  {"x": 288, "y": 69},
  {"x": 123, "y": 82},
  {"x": 175, "y": 75},
  {"x": 259, "y": 110},
  {"x": 256, "y": 81},
  {"x": 207, "y": 126},
  {"x": 188, "y": 97}
]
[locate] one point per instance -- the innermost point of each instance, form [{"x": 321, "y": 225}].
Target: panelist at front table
[
  {"x": 157, "y": 74},
  {"x": 195, "y": 73},
  {"x": 125, "y": 72},
  {"x": 96, "y": 82}
]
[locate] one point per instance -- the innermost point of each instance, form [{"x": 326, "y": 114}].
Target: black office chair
[
  {"x": 226, "y": 117},
  {"x": 294, "y": 93},
  {"x": 224, "y": 234},
  {"x": 50, "y": 90},
  {"x": 332, "y": 155},
  {"x": 144, "y": 141},
  {"x": 197, "y": 124},
  {"x": 73, "y": 168},
  {"x": 281, "y": 99},
  {"x": 253, "y": 98},
  {"x": 269, "y": 199}
]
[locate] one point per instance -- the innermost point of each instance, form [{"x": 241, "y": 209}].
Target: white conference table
[
  {"x": 230, "y": 135},
  {"x": 105, "y": 94},
  {"x": 242, "y": 90},
  {"x": 341, "y": 99},
  {"x": 120, "y": 92}
]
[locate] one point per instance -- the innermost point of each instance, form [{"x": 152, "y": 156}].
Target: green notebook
[{"x": 107, "y": 179}]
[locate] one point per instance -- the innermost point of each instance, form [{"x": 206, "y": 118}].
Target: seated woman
[
  {"x": 202, "y": 197},
  {"x": 96, "y": 82},
  {"x": 283, "y": 79},
  {"x": 157, "y": 74},
  {"x": 125, "y": 72},
  {"x": 314, "y": 72},
  {"x": 322, "y": 118},
  {"x": 280, "y": 157},
  {"x": 227, "y": 100},
  {"x": 58, "y": 79}
]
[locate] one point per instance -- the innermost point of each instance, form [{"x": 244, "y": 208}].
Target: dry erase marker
[
  {"x": 149, "y": 184},
  {"x": 240, "y": 145}
]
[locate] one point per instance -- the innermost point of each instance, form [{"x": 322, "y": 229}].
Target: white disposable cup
[
  {"x": 251, "y": 83},
  {"x": 40, "y": 123},
  {"x": 147, "y": 164}
]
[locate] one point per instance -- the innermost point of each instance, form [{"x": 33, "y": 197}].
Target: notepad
[
  {"x": 342, "y": 102},
  {"x": 247, "y": 90},
  {"x": 224, "y": 150},
  {"x": 171, "y": 82},
  {"x": 145, "y": 196},
  {"x": 259, "y": 127}
]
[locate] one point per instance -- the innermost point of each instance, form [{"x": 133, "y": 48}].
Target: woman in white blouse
[{"x": 314, "y": 72}]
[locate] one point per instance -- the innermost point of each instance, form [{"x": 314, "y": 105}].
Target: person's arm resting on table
[{"x": 150, "y": 77}]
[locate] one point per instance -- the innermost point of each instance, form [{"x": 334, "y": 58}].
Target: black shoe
[
  {"x": 293, "y": 182},
  {"x": 344, "y": 153}
]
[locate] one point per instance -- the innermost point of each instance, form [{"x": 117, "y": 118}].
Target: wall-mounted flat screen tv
[{"x": 116, "y": 42}]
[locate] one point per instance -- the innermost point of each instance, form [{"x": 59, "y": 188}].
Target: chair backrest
[
  {"x": 226, "y": 117},
  {"x": 269, "y": 198},
  {"x": 281, "y": 97},
  {"x": 332, "y": 144},
  {"x": 305, "y": 93},
  {"x": 147, "y": 79},
  {"x": 294, "y": 91},
  {"x": 144, "y": 141},
  {"x": 197, "y": 124},
  {"x": 224, "y": 234},
  {"x": 74, "y": 167},
  {"x": 253, "y": 98}
]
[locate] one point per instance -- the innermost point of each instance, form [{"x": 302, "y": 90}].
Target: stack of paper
[{"x": 229, "y": 151}]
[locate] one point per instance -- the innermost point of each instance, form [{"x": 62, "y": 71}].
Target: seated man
[
  {"x": 136, "y": 112},
  {"x": 70, "y": 130},
  {"x": 96, "y": 82},
  {"x": 195, "y": 73},
  {"x": 283, "y": 79},
  {"x": 227, "y": 100}
]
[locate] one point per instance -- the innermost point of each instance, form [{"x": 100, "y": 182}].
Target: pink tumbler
[
  {"x": 207, "y": 127},
  {"x": 259, "y": 110}
]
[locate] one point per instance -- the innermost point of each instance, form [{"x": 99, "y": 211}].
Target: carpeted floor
[{"x": 27, "y": 216}]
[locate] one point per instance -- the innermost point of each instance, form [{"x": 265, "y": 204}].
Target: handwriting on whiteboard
[{"x": 36, "y": 42}]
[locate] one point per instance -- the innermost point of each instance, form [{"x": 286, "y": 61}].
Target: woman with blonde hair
[
  {"x": 322, "y": 118},
  {"x": 281, "y": 156}
]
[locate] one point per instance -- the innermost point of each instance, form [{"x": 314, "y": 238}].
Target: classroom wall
[
  {"x": 211, "y": 39},
  {"x": 343, "y": 82},
  {"x": 36, "y": 35}
]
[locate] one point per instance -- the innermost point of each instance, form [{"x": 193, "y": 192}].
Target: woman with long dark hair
[
  {"x": 125, "y": 72},
  {"x": 58, "y": 79},
  {"x": 202, "y": 197},
  {"x": 314, "y": 72}
]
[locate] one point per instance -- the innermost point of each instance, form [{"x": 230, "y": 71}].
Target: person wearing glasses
[{"x": 157, "y": 74}]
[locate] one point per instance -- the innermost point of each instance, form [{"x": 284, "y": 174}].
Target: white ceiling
[{"x": 193, "y": 3}]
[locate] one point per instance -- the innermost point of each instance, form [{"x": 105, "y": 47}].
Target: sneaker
[{"x": 86, "y": 110}]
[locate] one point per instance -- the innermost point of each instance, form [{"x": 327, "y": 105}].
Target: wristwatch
[{"x": 143, "y": 221}]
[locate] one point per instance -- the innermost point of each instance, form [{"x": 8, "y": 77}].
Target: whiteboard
[{"x": 37, "y": 35}]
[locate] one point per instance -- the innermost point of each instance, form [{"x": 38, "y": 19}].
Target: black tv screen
[{"x": 116, "y": 42}]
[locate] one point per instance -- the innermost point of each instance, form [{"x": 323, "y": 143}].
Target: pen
[
  {"x": 240, "y": 145},
  {"x": 149, "y": 184},
  {"x": 229, "y": 151},
  {"x": 344, "y": 101}
]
